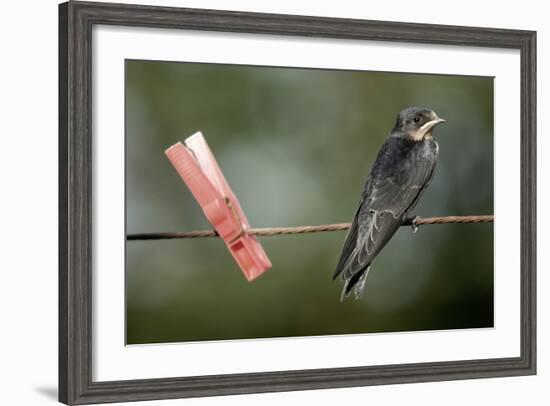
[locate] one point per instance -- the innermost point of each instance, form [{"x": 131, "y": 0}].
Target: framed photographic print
[{"x": 257, "y": 202}]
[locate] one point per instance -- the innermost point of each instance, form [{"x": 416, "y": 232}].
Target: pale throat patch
[{"x": 420, "y": 135}]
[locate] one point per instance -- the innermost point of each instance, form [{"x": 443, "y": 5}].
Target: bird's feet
[{"x": 412, "y": 221}]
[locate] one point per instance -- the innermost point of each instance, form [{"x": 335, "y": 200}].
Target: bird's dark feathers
[{"x": 401, "y": 172}]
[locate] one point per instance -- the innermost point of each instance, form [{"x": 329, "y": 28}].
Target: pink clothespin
[{"x": 198, "y": 168}]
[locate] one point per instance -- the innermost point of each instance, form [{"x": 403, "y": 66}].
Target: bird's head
[{"x": 416, "y": 123}]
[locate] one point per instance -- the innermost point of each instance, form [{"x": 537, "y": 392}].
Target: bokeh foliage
[{"x": 296, "y": 145}]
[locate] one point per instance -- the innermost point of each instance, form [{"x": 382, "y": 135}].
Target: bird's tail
[{"x": 356, "y": 282}]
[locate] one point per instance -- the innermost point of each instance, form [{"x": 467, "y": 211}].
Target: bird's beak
[
  {"x": 427, "y": 127},
  {"x": 431, "y": 124}
]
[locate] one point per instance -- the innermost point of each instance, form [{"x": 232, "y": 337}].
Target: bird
[{"x": 401, "y": 172}]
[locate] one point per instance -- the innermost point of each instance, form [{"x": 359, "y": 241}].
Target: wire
[{"x": 271, "y": 231}]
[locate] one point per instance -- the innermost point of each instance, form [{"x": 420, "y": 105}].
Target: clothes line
[{"x": 272, "y": 231}]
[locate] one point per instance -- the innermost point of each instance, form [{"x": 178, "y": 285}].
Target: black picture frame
[{"x": 76, "y": 20}]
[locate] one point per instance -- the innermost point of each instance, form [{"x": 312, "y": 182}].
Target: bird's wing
[
  {"x": 379, "y": 216},
  {"x": 374, "y": 223}
]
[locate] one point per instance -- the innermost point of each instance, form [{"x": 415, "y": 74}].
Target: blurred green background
[{"x": 296, "y": 146}]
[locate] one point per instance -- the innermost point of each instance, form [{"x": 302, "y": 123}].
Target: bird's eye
[{"x": 417, "y": 119}]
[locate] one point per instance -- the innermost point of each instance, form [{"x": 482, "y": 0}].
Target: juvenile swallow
[{"x": 400, "y": 174}]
